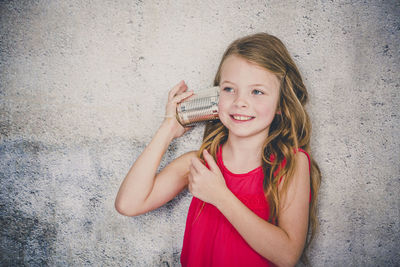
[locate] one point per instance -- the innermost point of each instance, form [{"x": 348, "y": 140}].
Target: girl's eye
[
  {"x": 257, "y": 92},
  {"x": 228, "y": 89}
]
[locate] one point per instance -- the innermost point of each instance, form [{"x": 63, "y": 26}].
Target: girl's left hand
[{"x": 206, "y": 184}]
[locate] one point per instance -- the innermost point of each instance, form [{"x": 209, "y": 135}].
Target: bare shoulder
[
  {"x": 299, "y": 184},
  {"x": 185, "y": 159},
  {"x": 302, "y": 167},
  {"x": 188, "y": 156},
  {"x": 181, "y": 164},
  {"x": 302, "y": 163}
]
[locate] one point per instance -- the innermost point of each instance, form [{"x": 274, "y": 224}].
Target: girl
[{"x": 253, "y": 182}]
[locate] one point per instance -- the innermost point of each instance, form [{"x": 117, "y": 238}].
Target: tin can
[{"x": 202, "y": 106}]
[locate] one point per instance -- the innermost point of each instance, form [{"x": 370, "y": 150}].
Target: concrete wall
[{"x": 82, "y": 90}]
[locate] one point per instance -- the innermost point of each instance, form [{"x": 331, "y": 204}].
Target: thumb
[{"x": 211, "y": 162}]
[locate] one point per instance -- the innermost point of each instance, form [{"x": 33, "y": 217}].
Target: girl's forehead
[{"x": 238, "y": 68}]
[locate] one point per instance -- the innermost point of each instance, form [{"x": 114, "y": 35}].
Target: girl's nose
[{"x": 241, "y": 101}]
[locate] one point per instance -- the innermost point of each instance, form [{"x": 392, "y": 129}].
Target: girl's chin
[{"x": 244, "y": 133}]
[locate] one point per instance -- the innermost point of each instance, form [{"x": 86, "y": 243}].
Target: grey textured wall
[{"x": 83, "y": 86}]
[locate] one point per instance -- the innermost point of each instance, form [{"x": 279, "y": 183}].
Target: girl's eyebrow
[
  {"x": 228, "y": 82},
  {"x": 256, "y": 84},
  {"x": 259, "y": 84}
]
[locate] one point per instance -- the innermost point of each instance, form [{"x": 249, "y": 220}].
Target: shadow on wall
[{"x": 26, "y": 240}]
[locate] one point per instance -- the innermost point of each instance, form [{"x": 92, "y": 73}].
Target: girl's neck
[{"x": 244, "y": 153}]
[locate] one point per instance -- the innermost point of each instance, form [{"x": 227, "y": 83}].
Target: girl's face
[{"x": 249, "y": 98}]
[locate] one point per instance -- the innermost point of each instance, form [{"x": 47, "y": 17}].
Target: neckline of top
[{"x": 221, "y": 163}]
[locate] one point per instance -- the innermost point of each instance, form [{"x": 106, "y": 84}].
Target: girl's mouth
[{"x": 241, "y": 118}]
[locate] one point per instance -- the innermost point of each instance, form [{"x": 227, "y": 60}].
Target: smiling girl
[{"x": 253, "y": 182}]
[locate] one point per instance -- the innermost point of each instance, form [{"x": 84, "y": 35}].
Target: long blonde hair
[{"x": 289, "y": 130}]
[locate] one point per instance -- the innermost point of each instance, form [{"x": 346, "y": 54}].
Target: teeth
[{"x": 242, "y": 118}]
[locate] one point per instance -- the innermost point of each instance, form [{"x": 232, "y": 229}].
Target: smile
[{"x": 242, "y": 117}]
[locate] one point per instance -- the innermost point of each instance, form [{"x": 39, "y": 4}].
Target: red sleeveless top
[{"x": 210, "y": 239}]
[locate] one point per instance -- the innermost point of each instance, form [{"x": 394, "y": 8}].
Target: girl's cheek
[
  {"x": 225, "y": 98},
  {"x": 223, "y": 110},
  {"x": 222, "y": 103},
  {"x": 266, "y": 102}
]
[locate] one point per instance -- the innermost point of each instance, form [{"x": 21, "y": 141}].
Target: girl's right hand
[{"x": 176, "y": 95}]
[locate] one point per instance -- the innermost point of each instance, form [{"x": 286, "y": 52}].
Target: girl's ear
[{"x": 278, "y": 112}]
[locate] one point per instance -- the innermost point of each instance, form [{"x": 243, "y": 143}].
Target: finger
[
  {"x": 173, "y": 91},
  {"x": 192, "y": 168},
  {"x": 190, "y": 178},
  {"x": 179, "y": 88},
  {"x": 180, "y": 97},
  {"x": 182, "y": 88},
  {"x": 210, "y": 161},
  {"x": 192, "y": 171},
  {"x": 190, "y": 188},
  {"x": 198, "y": 165}
]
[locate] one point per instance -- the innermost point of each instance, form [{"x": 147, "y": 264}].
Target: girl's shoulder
[
  {"x": 189, "y": 155},
  {"x": 185, "y": 159},
  {"x": 304, "y": 158}
]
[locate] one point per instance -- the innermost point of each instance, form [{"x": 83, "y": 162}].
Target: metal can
[{"x": 202, "y": 106}]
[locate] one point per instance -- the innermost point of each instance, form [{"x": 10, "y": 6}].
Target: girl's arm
[
  {"x": 282, "y": 244},
  {"x": 142, "y": 189}
]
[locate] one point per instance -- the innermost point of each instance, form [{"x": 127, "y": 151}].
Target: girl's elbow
[
  {"x": 120, "y": 208},
  {"x": 289, "y": 262},
  {"x": 286, "y": 262},
  {"x": 126, "y": 210},
  {"x": 288, "y": 259}
]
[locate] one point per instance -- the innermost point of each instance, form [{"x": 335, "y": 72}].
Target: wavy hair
[{"x": 289, "y": 130}]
